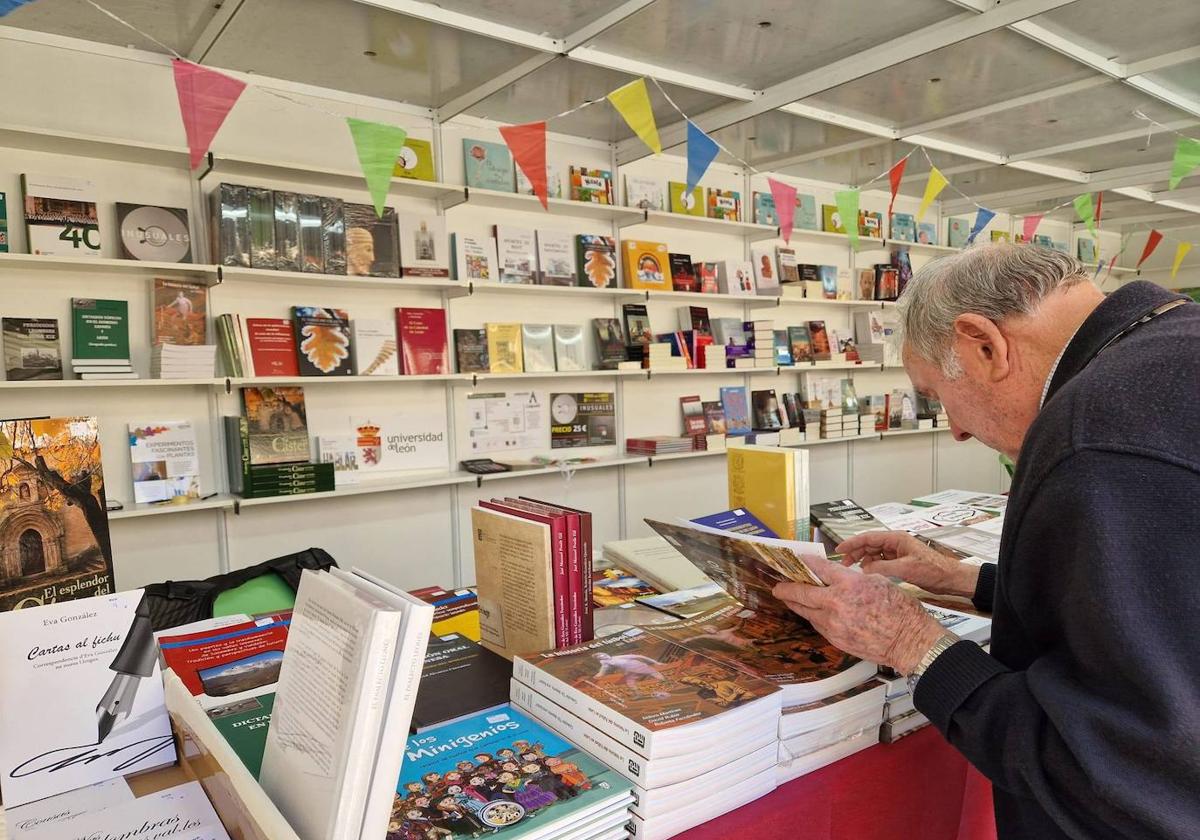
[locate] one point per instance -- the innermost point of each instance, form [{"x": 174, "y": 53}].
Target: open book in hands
[{"x": 747, "y": 567}]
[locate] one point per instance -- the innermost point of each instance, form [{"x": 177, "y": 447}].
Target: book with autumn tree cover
[
  {"x": 323, "y": 341},
  {"x": 180, "y": 309},
  {"x": 53, "y": 488},
  {"x": 597, "y": 258}
]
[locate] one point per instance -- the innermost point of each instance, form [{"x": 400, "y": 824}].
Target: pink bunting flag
[
  {"x": 528, "y": 146},
  {"x": 1030, "y": 226},
  {"x": 205, "y": 99},
  {"x": 1151, "y": 243},
  {"x": 894, "y": 176},
  {"x": 785, "y": 206}
]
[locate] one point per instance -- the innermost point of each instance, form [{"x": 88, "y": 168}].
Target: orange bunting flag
[
  {"x": 1151, "y": 243},
  {"x": 894, "y": 176},
  {"x": 528, "y": 146}
]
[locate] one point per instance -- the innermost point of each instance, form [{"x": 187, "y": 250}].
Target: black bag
[{"x": 179, "y": 602}]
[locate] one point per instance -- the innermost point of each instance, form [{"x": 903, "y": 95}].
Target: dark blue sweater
[{"x": 1086, "y": 715}]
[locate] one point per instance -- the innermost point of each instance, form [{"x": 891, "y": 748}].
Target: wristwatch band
[{"x": 937, "y": 649}]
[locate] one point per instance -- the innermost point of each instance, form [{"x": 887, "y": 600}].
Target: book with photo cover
[
  {"x": 277, "y": 423},
  {"x": 488, "y": 166},
  {"x": 707, "y": 274},
  {"x": 597, "y": 259},
  {"x": 556, "y": 258},
  {"x": 474, "y": 258},
  {"x": 736, "y": 407},
  {"x": 471, "y": 350},
  {"x": 714, "y": 417},
  {"x": 690, "y": 602},
  {"x": 323, "y": 343},
  {"x": 819, "y": 339},
  {"x": 180, "y": 312},
  {"x": 60, "y": 216},
  {"x": 424, "y": 248},
  {"x": 31, "y": 349},
  {"x": 516, "y": 254},
  {"x": 766, "y": 414},
  {"x": 693, "y": 415},
  {"x": 165, "y": 461},
  {"x": 149, "y": 232},
  {"x": 372, "y": 242},
  {"x": 927, "y": 233},
  {"x": 55, "y": 484},
  {"x": 683, "y": 274},
  {"x": 610, "y": 342}
]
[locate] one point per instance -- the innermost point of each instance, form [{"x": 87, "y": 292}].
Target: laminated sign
[{"x": 582, "y": 420}]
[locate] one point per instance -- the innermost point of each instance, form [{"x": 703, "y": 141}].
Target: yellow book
[
  {"x": 772, "y": 483},
  {"x": 513, "y": 581},
  {"x": 682, "y": 201},
  {"x": 505, "y": 353},
  {"x": 647, "y": 265}
]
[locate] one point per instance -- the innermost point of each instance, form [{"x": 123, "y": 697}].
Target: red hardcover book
[
  {"x": 585, "y": 563},
  {"x": 707, "y": 275},
  {"x": 693, "y": 415},
  {"x": 576, "y": 586},
  {"x": 272, "y": 346},
  {"x": 558, "y": 561},
  {"x": 423, "y": 340},
  {"x": 700, "y": 343}
]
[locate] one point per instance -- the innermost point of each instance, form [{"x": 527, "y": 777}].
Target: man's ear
[{"x": 982, "y": 347}]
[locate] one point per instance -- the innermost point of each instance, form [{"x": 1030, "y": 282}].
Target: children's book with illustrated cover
[
  {"x": 592, "y": 185},
  {"x": 488, "y": 166},
  {"x": 498, "y": 774},
  {"x": 613, "y": 587},
  {"x": 927, "y": 233},
  {"x": 682, "y": 201}
]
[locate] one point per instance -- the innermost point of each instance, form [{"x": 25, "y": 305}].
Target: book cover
[
  {"x": 60, "y": 216},
  {"x": 1001, "y": 236},
  {"x": 333, "y": 235},
  {"x": 556, "y": 258},
  {"x": 646, "y": 193},
  {"x": 683, "y": 273},
  {"x": 422, "y": 333},
  {"x": 807, "y": 217},
  {"x": 707, "y": 275},
  {"x": 819, "y": 338},
  {"x": 514, "y": 582},
  {"x": 232, "y": 224},
  {"x": 764, "y": 406},
  {"x": 55, "y": 492},
  {"x": 165, "y": 461},
  {"x": 99, "y": 330},
  {"x": 149, "y": 232},
  {"x": 766, "y": 274},
  {"x": 696, "y": 319},
  {"x": 829, "y": 281},
  {"x": 842, "y": 519},
  {"x": 1086, "y": 250},
  {"x": 424, "y": 248},
  {"x": 311, "y": 233},
  {"x": 31, "y": 349},
  {"x": 646, "y": 265},
  {"x": 277, "y": 425},
  {"x": 474, "y": 258},
  {"x": 415, "y": 161},
  {"x": 323, "y": 344},
  {"x": 902, "y": 409},
  {"x": 866, "y": 284},
  {"x": 789, "y": 271},
  {"x": 372, "y": 242},
  {"x": 587, "y": 419},
  {"x": 681, "y": 201},
  {"x": 592, "y": 185},
  {"x": 764, "y": 209},
  {"x": 459, "y": 678},
  {"x": 272, "y": 346},
  {"x": 553, "y": 182},
  {"x": 505, "y": 354},
  {"x": 597, "y": 257},
  {"x": 488, "y": 166},
  {"x": 904, "y": 227},
  {"x": 736, "y": 406},
  {"x": 471, "y": 350},
  {"x": 48, "y": 713},
  {"x": 735, "y": 277},
  {"x": 245, "y": 725},
  {"x": 927, "y": 233},
  {"x": 569, "y": 354},
  {"x": 455, "y": 611},
  {"x": 610, "y": 342},
  {"x": 724, "y": 204},
  {"x": 714, "y": 417},
  {"x": 229, "y": 664},
  {"x": 637, "y": 323},
  {"x": 870, "y": 224},
  {"x": 180, "y": 312},
  {"x": 690, "y": 602},
  {"x": 516, "y": 254},
  {"x": 259, "y": 221},
  {"x": 738, "y": 520},
  {"x": 375, "y": 350},
  {"x": 783, "y": 349},
  {"x": 3, "y": 223},
  {"x": 613, "y": 587},
  {"x": 693, "y": 415},
  {"x": 499, "y": 773},
  {"x": 287, "y": 231},
  {"x": 537, "y": 347},
  {"x": 831, "y": 219},
  {"x": 957, "y": 232}
]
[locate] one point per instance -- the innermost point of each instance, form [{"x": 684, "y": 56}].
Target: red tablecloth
[{"x": 918, "y": 788}]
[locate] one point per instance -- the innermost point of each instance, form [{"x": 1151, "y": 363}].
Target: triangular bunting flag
[
  {"x": 847, "y": 206},
  {"x": 378, "y": 145},
  {"x": 1187, "y": 158},
  {"x": 632, "y": 102},
  {"x": 1086, "y": 213},
  {"x": 528, "y": 146},
  {"x": 784, "y": 197},
  {"x": 982, "y": 217},
  {"x": 7, "y": 6},
  {"x": 701, "y": 150},
  {"x": 1151, "y": 243},
  {"x": 1099, "y": 206},
  {"x": 1180, "y": 253},
  {"x": 205, "y": 99},
  {"x": 894, "y": 176},
  {"x": 1111, "y": 263},
  {"x": 936, "y": 183},
  {"x": 1029, "y": 227}
]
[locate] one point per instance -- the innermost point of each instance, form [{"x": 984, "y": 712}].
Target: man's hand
[
  {"x": 864, "y": 615},
  {"x": 901, "y": 555}
]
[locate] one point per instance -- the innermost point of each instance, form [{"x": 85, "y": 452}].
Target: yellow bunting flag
[
  {"x": 633, "y": 104},
  {"x": 1180, "y": 253},
  {"x": 936, "y": 183}
]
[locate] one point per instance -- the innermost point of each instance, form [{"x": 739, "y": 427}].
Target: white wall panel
[
  {"x": 897, "y": 468},
  {"x": 152, "y": 549}
]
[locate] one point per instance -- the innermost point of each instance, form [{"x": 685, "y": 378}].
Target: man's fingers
[
  {"x": 899, "y": 568},
  {"x": 803, "y": 594},
  {"x": 870, "y": 542}
]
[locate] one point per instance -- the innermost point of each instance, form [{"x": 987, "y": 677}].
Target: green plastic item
[{"x": 266, "y": 593}]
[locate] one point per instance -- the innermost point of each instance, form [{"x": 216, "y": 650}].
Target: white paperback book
[
  {"x": 569, "y": 351},
  {"x": 31, "y": 820},
  {"x": 766, "y": 273},
  {"x": 165, "y": 460},
  {"x": 81, "y": 696},
  {"x": 474, "y": 258},
  {"x": 182, "y": 812},
  {"x": 537, "y": 344},
  {"x": 556, "y": 258},
  {"x": 516, "y": 254},
  {"x": 374, "y": 344},
  {"x": 646, "y": 193},
  {"x": 334, "y": 705},
  {"x": 424, "y": 248}
]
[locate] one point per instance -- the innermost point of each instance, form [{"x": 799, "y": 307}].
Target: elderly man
[{"x": 1086, "y": 714}]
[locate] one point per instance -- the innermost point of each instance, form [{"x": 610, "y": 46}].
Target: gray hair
[{"x": 996, "y": 281}]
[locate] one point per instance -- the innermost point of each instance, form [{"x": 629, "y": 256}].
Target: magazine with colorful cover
[
  {"x": 689, "y": 603},
  {"x": 502, "y": 774},
  {"x": 165, "y": 461}
]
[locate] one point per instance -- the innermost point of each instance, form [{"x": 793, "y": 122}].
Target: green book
[
  {"x": 100, "y": 331},
  {"x": 3, "y": 224},
  {"x": 244, "y": 725}
]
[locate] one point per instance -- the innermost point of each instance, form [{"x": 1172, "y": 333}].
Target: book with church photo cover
[
  {"x": 52, "y": 520},
  {"x": 278, "y": 425}
]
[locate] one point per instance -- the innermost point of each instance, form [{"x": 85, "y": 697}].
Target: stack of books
[
  {"x": 829, "y": 729},
  {"x": 177, "y": 361},
  {"x": 100, "y": 339},
  {"x": 695, "y": 736},
  {"x": 835, "y": 423},
  {"x": 267, "y": 446},
  {"x": 760, "y": 341},
  {"x": 730, "y": 333},
  {"x": 659, "y": 356},
  {"x": 664, "y": 444}
]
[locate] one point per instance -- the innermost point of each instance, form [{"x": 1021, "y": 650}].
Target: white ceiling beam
[
  {"x": 213, "y": 30},
  {"x": 896, "y": 51},
  {"x": 779, "y": 162},
  {"x": 469, "y": 23},
  {"x": 799, "y": 109},
  {"x": 1162, "y": 62},
  {"x": 1152, "y": 88},
  {"x": 1068, "y": 89},
  {"x": 634, "y": 67},
  {"x": 493, "y": 85},
  {"x": 1128, "y": 176},
  {"x": 1167, "y": 215},
  {"x": 1103, "y": 140},
  {"x": 1185, "y": 194}
]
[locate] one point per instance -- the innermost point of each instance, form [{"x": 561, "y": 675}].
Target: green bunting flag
[
  {"x": 1187, "y": 158},
  {"x": 1087, "y": 215},
  {"x": 378, "y": 146},
  {"x": 847, "y": 207}
]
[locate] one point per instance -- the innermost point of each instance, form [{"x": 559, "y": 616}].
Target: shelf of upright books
[{"x": 103, "y": 265}]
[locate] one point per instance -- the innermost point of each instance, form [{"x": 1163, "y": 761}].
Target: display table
[{"x": 919, "y": 788}]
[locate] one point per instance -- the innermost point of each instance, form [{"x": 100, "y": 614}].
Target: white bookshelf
[
  {"x": 137, "y": 511},
  {"x": 702, "y": 224},
  {"x": 613, "y": 213},
  {"x": 29, "y": 264},
  {"x": 292, "y": 279},
  {"x": 55, "y": 384}
]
